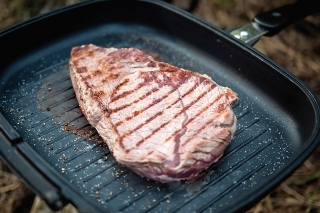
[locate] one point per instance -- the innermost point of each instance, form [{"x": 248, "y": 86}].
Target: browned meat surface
[{"x": 163, "y": 122}]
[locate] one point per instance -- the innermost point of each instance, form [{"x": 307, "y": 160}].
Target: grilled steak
[{"x": 163, "y": 122}]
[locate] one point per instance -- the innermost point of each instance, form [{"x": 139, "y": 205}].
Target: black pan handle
[
  {"x": 271, "y": 22},
  {"x": 277, "y": 19}
]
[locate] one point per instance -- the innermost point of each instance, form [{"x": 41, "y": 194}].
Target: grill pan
[{"x": 48, "y": 143}]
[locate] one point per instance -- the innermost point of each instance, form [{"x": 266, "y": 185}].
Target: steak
[{"x": 163, "y": 122}]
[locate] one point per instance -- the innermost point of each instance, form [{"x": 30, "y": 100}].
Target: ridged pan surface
[{"x": 38, "y": 100}]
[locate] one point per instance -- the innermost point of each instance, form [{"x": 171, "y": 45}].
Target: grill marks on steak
[{"x": 163, "y": 122}]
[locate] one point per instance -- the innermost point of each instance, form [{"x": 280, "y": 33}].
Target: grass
[{"x": 297, "y": 49}]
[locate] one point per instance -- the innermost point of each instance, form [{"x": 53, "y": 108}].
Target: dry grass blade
[
  {"x": 12, "y": 191},
  {"x": 39, "y": 206},
  {"x": 10, "y": 187},
  {"x": 298, "y": 198},
  {"x": 292, "y": 192},
  {"x": 307, "y": 179}
]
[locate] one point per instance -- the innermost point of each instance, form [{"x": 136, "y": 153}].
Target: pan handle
[
  {"x": 271, "y": 22},
  {"x": 277, "y": 19}
]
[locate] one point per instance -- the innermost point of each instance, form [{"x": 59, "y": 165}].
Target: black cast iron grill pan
[{"x": 278, "y": 116}]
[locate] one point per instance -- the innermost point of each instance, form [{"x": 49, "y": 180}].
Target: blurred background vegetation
[
  {"x": 297, "y": 48},
  {"x": 15, "y": 11}
]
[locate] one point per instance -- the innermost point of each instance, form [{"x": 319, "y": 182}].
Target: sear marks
[{"x": 163, "y": 122}]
